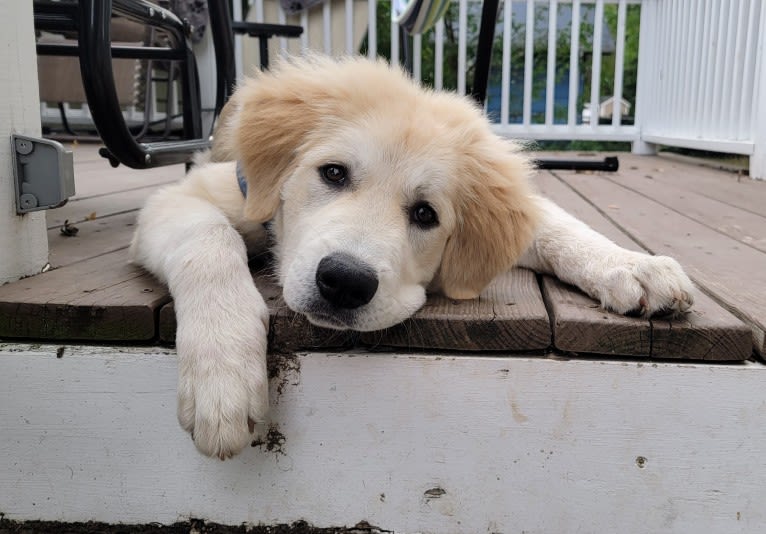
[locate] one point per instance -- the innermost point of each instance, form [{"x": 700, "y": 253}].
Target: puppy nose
[{"x": 345, "y": 281}]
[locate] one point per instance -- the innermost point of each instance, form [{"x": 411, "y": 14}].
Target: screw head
[
  {"x": 24, "y": 146},
  {"x": 28, "y": 201}
]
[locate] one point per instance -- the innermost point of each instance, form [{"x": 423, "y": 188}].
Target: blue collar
[{"x": 241, "y": 180}]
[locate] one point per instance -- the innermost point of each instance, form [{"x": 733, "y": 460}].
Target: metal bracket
[{"x": 43, "y": 172}]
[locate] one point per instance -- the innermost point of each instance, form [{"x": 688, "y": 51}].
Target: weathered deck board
[
  {"x": 580, "y": 325},
  {"x": 76, "y": 211},
  {"x": 100, "y": 299},
  {"x": 724, "y": 268},
  {"x": 727, "y": 187},
  {"x": 509, "y": 316},
  {"x": 94, "y": 238},
  {"x": 742, "y": 225},
  {"x": 95, "y": 177}
]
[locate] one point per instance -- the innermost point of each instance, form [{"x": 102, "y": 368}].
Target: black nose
[{"x": 345, "y": 281}]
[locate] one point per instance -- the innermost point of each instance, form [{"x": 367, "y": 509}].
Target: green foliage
[
  {"x": 539, "y": 54},
  {"x": 540, "y": 49}
]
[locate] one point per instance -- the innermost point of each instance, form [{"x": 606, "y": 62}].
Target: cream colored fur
[{"x": 402, "y": 145}]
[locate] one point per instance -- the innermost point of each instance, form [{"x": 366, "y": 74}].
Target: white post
[
  {"x": 644, "y": 89},
  {"x": 758, "y": 158},
  {"x": 23, "y": 238},
  {"x": 204, "y": 52}
]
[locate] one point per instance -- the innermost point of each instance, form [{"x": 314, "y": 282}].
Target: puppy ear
[
  {"x": 497, "y": 215},
  {"x": 270, "y": 121}
]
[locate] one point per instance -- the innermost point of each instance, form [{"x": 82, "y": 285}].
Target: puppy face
[{"x": 378, "y": 190}]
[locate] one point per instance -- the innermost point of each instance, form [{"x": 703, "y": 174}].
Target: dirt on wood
[{"x": 193, "y": 526}]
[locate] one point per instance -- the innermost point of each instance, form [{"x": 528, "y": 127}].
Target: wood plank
[
  {"x": 95, "y": 176},
  {"x": 706, "y": 332},
  {"x": 722, "y": 267},
  {"x": 580, "y": 325},
  {"x": 729, "y": 187},
  {"x": 76, "y": 211},
  {"x": 288, "y": 331},
  {"x": 554, "y": 189},
  {"x": 409, "y": 443},
  {"x": 100, "y": 299},
  {"x": 745, "y": 226},
  {"x": 509, "y": 316},
  {"x": 94, "y": 238}
]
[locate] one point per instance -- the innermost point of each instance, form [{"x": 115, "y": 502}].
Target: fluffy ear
[
  {"x": 497, "y": 215},
  {"x": 267, "y": 120},
  {"x": 272, "y": 121}
]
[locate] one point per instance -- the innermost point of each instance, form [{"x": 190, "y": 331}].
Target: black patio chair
[{"x": 90, "y": 20}]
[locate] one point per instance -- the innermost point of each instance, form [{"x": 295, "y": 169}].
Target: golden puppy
[{"x": 375, "y": 191}]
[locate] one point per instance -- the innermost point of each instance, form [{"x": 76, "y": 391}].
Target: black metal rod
[
  {"x": 147, "y": 13},
  {"x": 259, "y": 29},
  {"x": 484, "y": 50},
  {"x": 223, "y": 44},
  {"x": 609, "y": 164}
]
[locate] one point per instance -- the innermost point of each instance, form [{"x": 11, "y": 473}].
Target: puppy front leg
[
  {"x": 623, "y": 280},
  {"x": 222, "y": 319}
]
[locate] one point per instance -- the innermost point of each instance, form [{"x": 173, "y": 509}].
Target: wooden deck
[{"x": 712, "y": 221}]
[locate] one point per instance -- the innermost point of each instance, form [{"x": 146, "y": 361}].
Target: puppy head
[{"x": 377, "y": 188}]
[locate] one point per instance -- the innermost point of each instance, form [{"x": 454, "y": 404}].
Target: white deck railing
[
  {"x": 700, "y": 61},
  {"x": 702, "y": 65},
  {"x": 700, "y": 80}
]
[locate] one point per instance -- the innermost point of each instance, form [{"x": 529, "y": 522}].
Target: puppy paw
[
  {"x": 647, "y": 285},
  {"x": 223, "y": 382}
]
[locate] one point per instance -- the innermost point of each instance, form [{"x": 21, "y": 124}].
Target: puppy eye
[
  {"x": 333, "y": 173},
  {"x": 423, "y": 215}
]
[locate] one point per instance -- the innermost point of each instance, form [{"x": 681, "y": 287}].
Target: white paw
[
  {"x": 647, "y": 285},
  {"x": 223, "y": 381}
]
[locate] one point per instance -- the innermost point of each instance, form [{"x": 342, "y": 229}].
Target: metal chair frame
[{"x": 91, "y": 20}]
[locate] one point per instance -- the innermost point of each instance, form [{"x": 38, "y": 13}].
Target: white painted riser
[{"x": 516, "y": 444}]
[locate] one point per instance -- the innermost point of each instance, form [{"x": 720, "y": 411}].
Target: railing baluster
[
  {"x": 691, "y": 100},
  {"x": 746, "y": 101},
  {"x": 550, "y": 82},
  {"x": 305, "y": 34},
  {"x": 682, "y": 52},
  {"x": 462, "y": 45},
  {"x": 439, "y": 55},
  {"x": 327, "y": 27},
  {"x": 349, "y": 16},
  {"x": 372, "y": 34},
  {"x": 737, "y": 59},
  {"x": 505, "y": 88},
  {"x": 706, "y": 74},
  {"x": 718, "y": 66},
  {"x": 574, "y": 59},
  {"x": 674, "y": 64},
  {"x": 529, "y": 62},
  {"x": 394, "y": 42},
  {"x": 417, "y": 53},
  {"x": 619, "y": 63},
  {"x": 595, "y": 80},
  {"x": 282, "y": 19}
]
